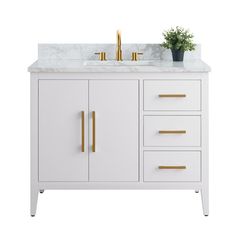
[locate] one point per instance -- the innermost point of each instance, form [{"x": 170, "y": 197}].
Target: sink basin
[{"x": 119, "y": 63}]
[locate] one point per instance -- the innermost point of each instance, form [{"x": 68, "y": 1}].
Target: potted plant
[{"x": 178, "y": 40}]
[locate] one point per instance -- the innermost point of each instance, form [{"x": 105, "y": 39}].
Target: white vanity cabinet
[{"x": 119, "y": 131}]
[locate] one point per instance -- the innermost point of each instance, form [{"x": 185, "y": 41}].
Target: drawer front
[
  {"x": 172, "y": 131},
  {"x": 172, "y": 166},
  {"x": 172, "y": 95}
]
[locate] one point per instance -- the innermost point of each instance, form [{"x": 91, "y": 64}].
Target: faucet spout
[{"x": 118, "y": 47}]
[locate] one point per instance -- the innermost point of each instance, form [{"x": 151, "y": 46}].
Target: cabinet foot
[
  {"x": 205, "y": 201},
  {"x": 33, "y": 201},
  {"x": 196, "y": 191},
  {"x": 41, "y": 191}
]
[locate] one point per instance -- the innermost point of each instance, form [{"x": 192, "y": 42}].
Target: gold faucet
[
  {"x": 119, "y": 55},
  {"x": 118, "y": 47}
]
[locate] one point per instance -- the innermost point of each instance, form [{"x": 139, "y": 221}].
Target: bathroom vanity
[{"x": 118, "y": 124}]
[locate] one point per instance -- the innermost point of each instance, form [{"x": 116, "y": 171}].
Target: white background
[{"x": 24, "y": 24}]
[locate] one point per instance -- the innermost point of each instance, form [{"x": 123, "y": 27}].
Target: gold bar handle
[
  {"x": 82, "y": 131},
  {"x": 171, "y": 167},
  {"x": 172, "y": 131},
  {"x": 172, "y": 95},
  {"x": 93, "y": 130}
]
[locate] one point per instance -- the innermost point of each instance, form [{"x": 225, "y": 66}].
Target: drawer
[
  {"x": 172, "y": 166},
  {"x": 172, "y": 95},
  {"x": 172, "y": 131}
]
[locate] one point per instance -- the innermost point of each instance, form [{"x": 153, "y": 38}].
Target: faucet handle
[
  {"x": 102, "y": 56},
  {"x": 134, "y": 55}
]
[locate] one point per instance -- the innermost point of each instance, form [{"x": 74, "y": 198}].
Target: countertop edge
[{"x": 203, "y": 68}]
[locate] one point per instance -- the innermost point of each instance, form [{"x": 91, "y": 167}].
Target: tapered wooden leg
[
  {"x": 33, "y": 201},
  {"x": 205, "y": 201}
]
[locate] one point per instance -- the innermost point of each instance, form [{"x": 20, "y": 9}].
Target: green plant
[{"x": 178, "y": 39}]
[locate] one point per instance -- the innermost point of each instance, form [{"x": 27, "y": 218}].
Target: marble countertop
[{"x": 74, "y": 65}]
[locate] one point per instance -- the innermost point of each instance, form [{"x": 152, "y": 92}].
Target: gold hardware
[
  {"x": 82, "y": 121},
  {"x": 172, "y": 95},
  {"x": 134, "y": 55},
  {"x": 102, "y": 56},
  {"x": 172, "y": 131},
  {"x": 94, "y": 128},
  {"x": 171, "y": 167},
  {"x": 118, "y": 47}
]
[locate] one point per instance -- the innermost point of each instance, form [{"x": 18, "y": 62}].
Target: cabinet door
[
  {"x": 61, "y": 103},
  {"x": 115, "y": 103}
]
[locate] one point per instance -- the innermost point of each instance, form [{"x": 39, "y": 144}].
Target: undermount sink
[{"x": 119, "y": 63}]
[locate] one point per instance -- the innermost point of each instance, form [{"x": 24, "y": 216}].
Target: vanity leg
[
  {"x": 196, "y": 191},
  {"x": 41, "y": 191},
  {"x": 33, "y": 201},
  {"x": 34, "y": 143},
  {"x": 205, "y": 201}
]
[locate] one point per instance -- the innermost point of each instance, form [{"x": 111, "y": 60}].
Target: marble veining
[{"x": 86, "y": 51}]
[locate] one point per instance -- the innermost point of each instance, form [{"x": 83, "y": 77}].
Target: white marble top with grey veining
[
  {"x": 58, "y": 65},
  {"x": 81, "y": 58}
]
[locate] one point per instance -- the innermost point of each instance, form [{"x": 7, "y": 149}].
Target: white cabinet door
[
  {"x": 115, "y": 103},
  {"x": 61, "y": 103}
]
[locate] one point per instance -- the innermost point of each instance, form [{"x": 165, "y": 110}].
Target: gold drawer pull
[
  {"x": 93, "y": 130},
  {"x": 172, "y": 95},
  {"x": 172, "y": 131},
  {"x": 171, "y": 167},
  {"x": 82, "y": 121}
]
